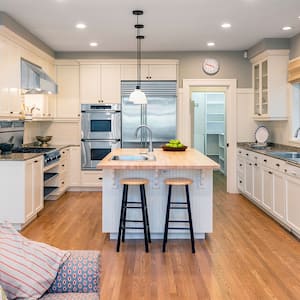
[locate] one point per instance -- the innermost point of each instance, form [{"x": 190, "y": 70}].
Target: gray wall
[
  {"x": 295, "y": 46},
  {"x": 232, "y": 63},
  {"x": 269, "y": 43},
  {"x": 17, "y": 28}
]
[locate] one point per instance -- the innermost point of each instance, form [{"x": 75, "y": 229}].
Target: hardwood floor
[{"x": 248, "y": 255}]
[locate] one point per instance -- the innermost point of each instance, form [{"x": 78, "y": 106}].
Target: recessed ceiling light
[
  {"x": 93, "y": 44},
  {"x": 286, "y": 28},
  {"x": 210, "y": 44},
  {"x": 226, "y": 25},
  {"x": 80, "y": 26}
]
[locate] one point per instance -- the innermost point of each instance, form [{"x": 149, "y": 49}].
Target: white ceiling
[{"x": 170, "y": 25}]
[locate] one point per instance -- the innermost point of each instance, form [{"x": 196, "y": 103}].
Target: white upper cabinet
[
  {"x": 100, "y": 83},
  {"x": 67, "y": 98},
  {"x": 10, "y": 100},
  {"x": 269, "y": 73},
  {"x": 149, "y": 72}
]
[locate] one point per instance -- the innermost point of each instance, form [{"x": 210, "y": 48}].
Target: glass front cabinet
[{"x": 269, "y": 76}]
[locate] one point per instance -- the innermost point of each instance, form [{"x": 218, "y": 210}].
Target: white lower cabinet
[
  {"x": 293, "y": 202},
  {"x": 257, "y": 182},
  {"x": 272, "y": 184},
  {"x": 267, "y": 183},
  {"x": 279, "y": 195},
  {"x": 21, "y": 188}
]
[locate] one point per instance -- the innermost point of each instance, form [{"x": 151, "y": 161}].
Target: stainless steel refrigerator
[{"x": 159, "y": 114}]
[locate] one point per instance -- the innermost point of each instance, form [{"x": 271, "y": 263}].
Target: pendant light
[{"x": 137, "y": 96}]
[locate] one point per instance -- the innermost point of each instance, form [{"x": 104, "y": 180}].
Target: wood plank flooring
[{"x": 248, "y": 255}]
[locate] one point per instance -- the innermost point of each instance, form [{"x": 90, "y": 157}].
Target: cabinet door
[
  {"x": 37, "y": 184},
  {"x": 29, "y": 203},
  {"x": 249, "y": 178},
  {"x": 279, "y": 196},
  {"x": 90, "y": 84},
  {"x": 74, "y": 167},
  {"x": 293, "y": 203},
  {"x": 241, "y": 173},
  {"x": 111, "y": 83},
  {"x": 129, "y": 72},
  {"x": 67, "y": 99},
  {"x": 256, "y": 86},
  {"x": 257, "y": 182},
  {"x": 267, "y": 199},
  {"x": 10, "y": 100},
  {"x": 162, "y": 72},
  {"x": 264, "y": 87}
]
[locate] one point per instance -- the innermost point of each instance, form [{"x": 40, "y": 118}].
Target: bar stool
[
  {"x": 178, "y": 205},
  {"x": 134, "y": 205}
]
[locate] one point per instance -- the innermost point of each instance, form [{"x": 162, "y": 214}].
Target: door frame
[{"x": 231, "y": 120}]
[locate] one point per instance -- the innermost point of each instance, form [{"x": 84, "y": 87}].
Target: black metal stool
[
  {"x": 134, "y": 204},
  {"x": 183, "y": 205}
]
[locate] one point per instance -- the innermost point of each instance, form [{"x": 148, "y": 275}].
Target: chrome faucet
[
  {"x": 297, "y": 133},
  {"x": 150, "y": 147}
]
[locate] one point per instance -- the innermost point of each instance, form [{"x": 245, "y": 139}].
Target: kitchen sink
[
  {"x": 286, "y": 155},
  {"x": 137, "y": 157}
]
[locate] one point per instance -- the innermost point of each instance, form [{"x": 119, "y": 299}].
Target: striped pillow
[{"x": 27, "y": 268}]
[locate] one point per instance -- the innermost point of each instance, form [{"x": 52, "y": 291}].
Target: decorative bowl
[
  {"x": 166, "y": 148},
  {"x": 6, "y": 148},
  {"x": 44, "y": 139}
]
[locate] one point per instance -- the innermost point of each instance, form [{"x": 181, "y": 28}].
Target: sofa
[{"x": 78, "y": 278}]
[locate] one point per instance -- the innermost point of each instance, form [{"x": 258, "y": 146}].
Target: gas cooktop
[{"x": 32, "y": 150}]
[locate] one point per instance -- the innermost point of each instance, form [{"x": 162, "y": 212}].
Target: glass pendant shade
[{"x": 137, "y": 97}]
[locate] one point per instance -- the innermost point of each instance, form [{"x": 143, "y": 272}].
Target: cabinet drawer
[
  {"x": 273, "y": 163},
  {"x": 91, "y": 178}
]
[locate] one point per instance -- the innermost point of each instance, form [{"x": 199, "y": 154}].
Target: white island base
[{"x": 156, "y": 194}]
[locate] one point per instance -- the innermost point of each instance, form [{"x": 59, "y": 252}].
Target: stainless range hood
[{"x": 35, "y": 81}]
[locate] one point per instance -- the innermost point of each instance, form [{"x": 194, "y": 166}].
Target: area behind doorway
[{"x": 209, "y": 123}]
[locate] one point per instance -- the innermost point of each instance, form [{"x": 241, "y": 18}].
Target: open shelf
[
  {"x": 48, "y": 176},
  {"x": 48, "y": 190}
]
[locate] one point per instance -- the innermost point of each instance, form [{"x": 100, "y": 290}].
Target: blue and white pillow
[{"x": 27, "y": 268}]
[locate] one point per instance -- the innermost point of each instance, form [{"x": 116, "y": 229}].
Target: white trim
[
  {"x": 127, "y": 61},
  {"x": 267, "y": 53},
  {"x": 231, "y": 124}
]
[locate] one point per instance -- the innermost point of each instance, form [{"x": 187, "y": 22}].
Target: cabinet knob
[
  {"x": 241, "y": 181},
  {"x": 62, "y": 165},
  {"x": 100, "y": 178},
  {"x": 36, "y": 161},
  {"x": 247, "y": 154},
  {"x": 277, "y": 165},
  {"x": 250, "y": 164},
  {"x": 265, "y": 160},
  {"x": 241, "y": 165},
  {"x": 78, "y": 115},
  {"x": 255, "y": 164},
  {"x": 270, "y": 172},
  {"x": 11, "y": 112}
]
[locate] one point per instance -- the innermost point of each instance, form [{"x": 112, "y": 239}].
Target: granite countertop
[
  {"x": 271, "y": 148},
  {"x": 27, "y": 156}
]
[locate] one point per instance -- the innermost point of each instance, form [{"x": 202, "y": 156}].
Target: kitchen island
[{"x": 167, "y": 164}]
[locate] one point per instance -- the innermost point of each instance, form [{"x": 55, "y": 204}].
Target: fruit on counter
[{"x": 174, "y": 144}]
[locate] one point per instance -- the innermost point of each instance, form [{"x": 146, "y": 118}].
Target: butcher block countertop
[{"x": 188, "y": 159}]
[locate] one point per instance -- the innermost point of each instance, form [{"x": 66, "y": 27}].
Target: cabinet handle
[
  {"x": 241, "y": 165},
  {"x": 63, "y": 152},
  {"x": 277, "y": 165},
  {"x": 62, "y": 165},
  {"x": 247, "y": 154},
  {"x": 250, "y": 164},
  {"x": 100, "y": 178},
  {"x": 11, "y": 112},
  {"x": 36, "y": 161},
  {"x": 270, "y": 172},
  {"x": 241, "y": 181},
  {"x": 255, "y": 164},
  {"x": 265, "y": 160}
]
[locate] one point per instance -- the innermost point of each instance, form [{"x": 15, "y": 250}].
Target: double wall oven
[{"x": 100, "y": 132}]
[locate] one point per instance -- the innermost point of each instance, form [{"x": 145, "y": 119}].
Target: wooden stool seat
[
  {"x": 178, "y": 205},
  {"x": 134, "y": 181},
  {"x": 178, "y": 181},
  {"x": 129, "y": 204}
]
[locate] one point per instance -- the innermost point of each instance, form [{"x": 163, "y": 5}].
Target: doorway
[
  {"x": 230, "y": 112},
  {"x": 208, "y": 123}
]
